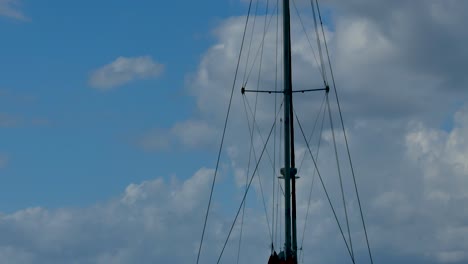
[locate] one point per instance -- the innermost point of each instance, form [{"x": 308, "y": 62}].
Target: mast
[{"x": 289, "y": 171}]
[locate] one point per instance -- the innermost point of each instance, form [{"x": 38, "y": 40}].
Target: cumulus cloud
[
  {"x": 443, "y": 158},
  {"x": 194, "y": 133},
  {"x": 10, "y": 8},
  {"x": 420, "y": 212},
  {"x": 188, "y": 134},
  {"x": 124, "y": 70},
  {"x": 154, "y": 221}
]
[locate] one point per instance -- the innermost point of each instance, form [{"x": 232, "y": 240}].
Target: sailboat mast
[{"x": 289, "y": 172}]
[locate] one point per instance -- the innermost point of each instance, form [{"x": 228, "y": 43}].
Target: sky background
[{"x": 111, "y": 114}]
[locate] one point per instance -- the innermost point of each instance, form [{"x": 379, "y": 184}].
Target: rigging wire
[
  {"x": 246, "y": 178},
  {"x": 274, "y": 136},
  {"x": 250, "y": 43},
  {"x": 252, "y": 149},
  {"x": 324, "y": 188},
  {"x": 223, "y": 136},
  {"x": 257, "y": 127},
  {"x": 258, "y": 173},
  {"x": 258, "y": 87},
  {"x": 251, "y": 131},
  {"x": 281, "y": 220},
  {"x": 313, "y": 130},
  {"x": 248, "y": 168},
  {"x": 308, "y": 39},
  {"x": 248, "y": 186},
  {"x": 258, "y": 50},
  {"x": 276, "y": 220},
  {"x": 319, "y": 45},
  {"x": 313, "y": 179},
  {"x": 246, "y": 101},
  {"x": 339, "y": 175},
  {"x": 254, "y": 125},
  {"x": 242, "y": 220},
  {"x": 345, "y": 137},
  {"x": 278, "y": 215},
  {"x": 310, "y": 192},
  {"x": 323, "y": 72}
]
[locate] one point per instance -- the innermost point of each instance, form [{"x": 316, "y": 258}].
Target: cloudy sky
[{"x": 111, "y": 114}]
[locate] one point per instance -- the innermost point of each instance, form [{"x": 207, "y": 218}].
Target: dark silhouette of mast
[{"x": 289, "y": 171}]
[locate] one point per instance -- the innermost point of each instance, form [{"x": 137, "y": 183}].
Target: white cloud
[
  {"x": 124, "y": 70},
  {"x": 443, "y": 157},
  {"x": 10, "y": 8},
  {"x": 195, "y": 133},
  {"x": 188, "y": 134},
  {"x": 154, "y": 221}
]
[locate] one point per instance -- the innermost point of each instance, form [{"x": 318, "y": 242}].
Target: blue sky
[
  {"x": 110, "y": 117},
  {"x": 72, "y": 144}
]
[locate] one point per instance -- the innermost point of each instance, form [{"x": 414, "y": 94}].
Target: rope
[
  {"x": 346, "y": 140},
  {"x": 222, "y": 138}
]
